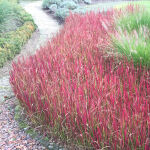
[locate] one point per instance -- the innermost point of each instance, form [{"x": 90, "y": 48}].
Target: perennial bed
[
  {"x": 12, "y": 41},
  {"x": 82, "y": 90}
]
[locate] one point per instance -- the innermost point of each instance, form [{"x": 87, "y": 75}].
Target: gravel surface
[{"x": 11, "y": 136}]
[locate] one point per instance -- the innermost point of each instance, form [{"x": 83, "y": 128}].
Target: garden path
[{"x": 11, "y": 137}]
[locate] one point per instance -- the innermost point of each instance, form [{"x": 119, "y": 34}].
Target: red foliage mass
[{"x": 79, "y": 88}]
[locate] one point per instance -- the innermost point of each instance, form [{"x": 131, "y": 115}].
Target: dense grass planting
[
  {"x": 16, "y": 26},
  {"x": 83, "y": 91}
]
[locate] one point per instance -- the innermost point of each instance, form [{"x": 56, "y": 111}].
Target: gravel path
[{"x": 11, "y": 137}]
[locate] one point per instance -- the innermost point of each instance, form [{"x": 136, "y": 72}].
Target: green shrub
[
  {"x": 132, "y": 38},
  {"x": 22, "y": 14},
  {"x": 68, "y": 4},
  {"x": 53, "y": 7},
  {"x": 62, "y": 7},
  {"x": 47, "y": 3},
  {"x": 62, "y": 13},
  {"x": 12, "y": 16},
  {"x": 5, "y": 10},
  {"x": 11, "y": 43},
  {"x": 9, "y": 19},
  {"x": 16, "y": 27}
]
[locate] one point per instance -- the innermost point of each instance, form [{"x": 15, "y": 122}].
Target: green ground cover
[{"x": 16, "y": 27}]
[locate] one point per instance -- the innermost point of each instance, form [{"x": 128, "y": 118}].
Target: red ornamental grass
[{"x": 83, "y": 93}]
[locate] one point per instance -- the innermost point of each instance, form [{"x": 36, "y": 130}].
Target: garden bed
[
  {"x": 16, "y": 28},
  {"x": 90, "y": 84}
]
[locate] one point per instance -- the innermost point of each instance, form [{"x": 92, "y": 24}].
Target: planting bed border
[{"x": 11, "y": 42}]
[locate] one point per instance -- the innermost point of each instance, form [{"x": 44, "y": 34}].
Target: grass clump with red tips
[{"x": 82, "y": 93}]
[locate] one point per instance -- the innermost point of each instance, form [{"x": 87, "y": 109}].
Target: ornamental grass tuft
[
  {"x": 132, "y": 37},
  {"x": 81, "y": 92}
]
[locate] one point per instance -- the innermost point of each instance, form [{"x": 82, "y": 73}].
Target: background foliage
[{"x": 16, "y": 26}]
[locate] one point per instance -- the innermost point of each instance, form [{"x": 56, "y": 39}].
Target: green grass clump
[
  {"x": 135, "y": 46},
  {"x": 132, "y": 38},
  {"x": 11, "y": 1},
  {"x": 134, "y": 20}
]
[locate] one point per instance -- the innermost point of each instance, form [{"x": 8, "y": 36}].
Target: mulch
[{"x": 11, "y": 136}]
